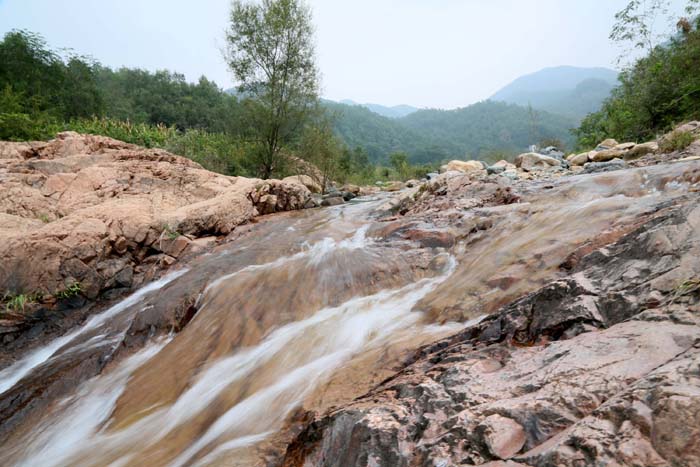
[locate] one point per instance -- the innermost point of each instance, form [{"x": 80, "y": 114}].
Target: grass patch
[
  {"x": 677, "y": 141},
  {"x": 685, "y": 289},
  {"x": 170, "y": 233},
  {"x": 18, "y": 303},
  {"x": 71, "y": 291}
]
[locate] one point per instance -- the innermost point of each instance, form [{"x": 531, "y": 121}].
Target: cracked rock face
[
  {"x": 105, "y": 214},
  {"x": 601, "y": 368}
]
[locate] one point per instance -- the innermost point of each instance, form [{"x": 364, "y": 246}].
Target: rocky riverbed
[{"x": 526, "y": 314}]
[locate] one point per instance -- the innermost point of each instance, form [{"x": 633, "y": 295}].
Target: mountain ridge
[{"x": 567, "y": 90}]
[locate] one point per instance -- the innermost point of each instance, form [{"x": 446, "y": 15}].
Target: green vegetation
[
  {"x": 250, "y": 132},
  {"x": 677, "y": 141},
  {"x": 170, "y": 233},
  {"x": 71, "y": 291},
  {"x": 18, "y": 303},
  {"x": 569, "y": 91},
  {"x": 434, "y": 136},
  {"x": 271, "y": 54},
  {"x": 659, "y": 90},
  {"x": 687, "y": 288}
]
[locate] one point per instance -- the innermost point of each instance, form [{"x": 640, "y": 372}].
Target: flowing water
[{"x": 305, "y": 309}]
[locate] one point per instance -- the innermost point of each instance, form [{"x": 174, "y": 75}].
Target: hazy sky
[{"x": 427, "y": 53}]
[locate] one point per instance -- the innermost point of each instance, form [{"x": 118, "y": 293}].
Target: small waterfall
[
  {"x": 292, "y": 314},
  {"x": 296, "y": 357},
  {"x": 18, "y": 370}
]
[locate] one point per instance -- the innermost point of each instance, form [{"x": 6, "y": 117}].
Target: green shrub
[
  {"x": 148, "y": 136},
  {"x": 18, "y": 303},
  {"x": 677, "y": 141},
  {"x": 71, "y": 291}
]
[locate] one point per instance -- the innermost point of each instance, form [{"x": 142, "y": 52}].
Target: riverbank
[{"x": 475, "y": 318}]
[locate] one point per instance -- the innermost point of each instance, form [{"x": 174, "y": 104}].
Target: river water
[{"x": 305, "y": 310}]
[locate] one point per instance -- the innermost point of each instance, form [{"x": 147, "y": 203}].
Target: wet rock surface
[
  {"x": 555, "y": 318},
  {"x": 598, "y": 368},
  {"x": 84, "y": 215}
]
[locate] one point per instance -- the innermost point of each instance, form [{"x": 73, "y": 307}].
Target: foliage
[
  {"x": 166, "y": 98},
  {"x": 271, "y": 53},
  {"x": 170, "y": 233},
  {"x": 399, "y": 161},
  {"x": 42, "y": 93},
  {"x": 487, "y": 126},
  {"x": 18, "y": 303},
  {"x": 142, "y": 134},
  {"x": 217, "y": 152},
  {"x": 635, "y": 23},
  {"x": 436, "y": 136},
  {"x": 676, "y": 141},
  {"x": 569, "y": 91},
  {"x": 71, "y": 291},
  {"x": 321, "y": 147},
  {"x": 40, "y": 88},
  {"x": 657, "y": 92}
]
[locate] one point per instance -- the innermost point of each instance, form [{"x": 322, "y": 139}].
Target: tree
[
  {"x": 399, "y": 161},
  {"x": 270, "y": 51},
  {"x": 637, "y": 23},
  {"x": 657, "y": 92},
  {"x": 321, "y": 147}
]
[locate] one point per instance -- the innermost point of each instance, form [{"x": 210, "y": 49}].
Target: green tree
[
  {"x": 46, "y": 88},
  {"x": 321, "y": 147},
  {"x": 399, "y": 161},
  {"x": 655, "y": 93},
  {"x": 270, "y": 51}
]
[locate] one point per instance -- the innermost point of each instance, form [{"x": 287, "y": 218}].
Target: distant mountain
[
  {"x": 396, "y": 111},
  {"x": 570, "y": 91},
  {"x": 430, "y": 136}
]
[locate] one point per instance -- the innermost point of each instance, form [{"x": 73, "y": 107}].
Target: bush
[
  {"x": 148, "y": 136},
  {"x": 214, "y": 151},
  {"x": 676, "y": 141},
  {"x": 657, "y": 91}
]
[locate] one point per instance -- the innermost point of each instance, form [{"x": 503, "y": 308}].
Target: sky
[{"x": 426, "y": 53}]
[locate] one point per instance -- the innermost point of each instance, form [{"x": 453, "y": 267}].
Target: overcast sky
[{"x": 427, "y": 53}]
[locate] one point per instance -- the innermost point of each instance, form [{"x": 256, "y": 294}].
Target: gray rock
[
  {"x": 347, "y": 196},
  {"x": 580, "y": 372},
  {"x": 333, "y": 201},
  {"x": 609, "y": 166}
]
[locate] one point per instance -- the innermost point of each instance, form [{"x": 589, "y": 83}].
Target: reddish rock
[{"x": 503, "y": 436}]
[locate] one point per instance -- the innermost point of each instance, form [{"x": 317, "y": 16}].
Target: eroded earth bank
[{"x": 517, "y": 316}]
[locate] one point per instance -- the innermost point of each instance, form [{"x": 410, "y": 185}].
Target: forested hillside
[
  {"x": 44, "y": 92},
  {"x": 484, "y": 130},
  {"x": 658, "y": 91},
  {"x": 570, "y": 91},
  {"x": 396, "y": 111}
]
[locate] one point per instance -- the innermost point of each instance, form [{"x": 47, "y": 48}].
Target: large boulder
[
  {"x": 579, "y": 159},
  {"x": 640, "y": 150},
  {"x": 307, "y": 181},
  {"x": 531, "y": 161},
  {"x": 97, "y": 212},
  {"x": 394, "y": 186},
  {"x": 607, "y": 144},
  {"x": 354, "y": 189},
  {"x": 606, "y": 155},
  {"x": 625, "y": 146},
  {"x": 463, "y": 166},
  {"x": 287, "y": 196}
]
